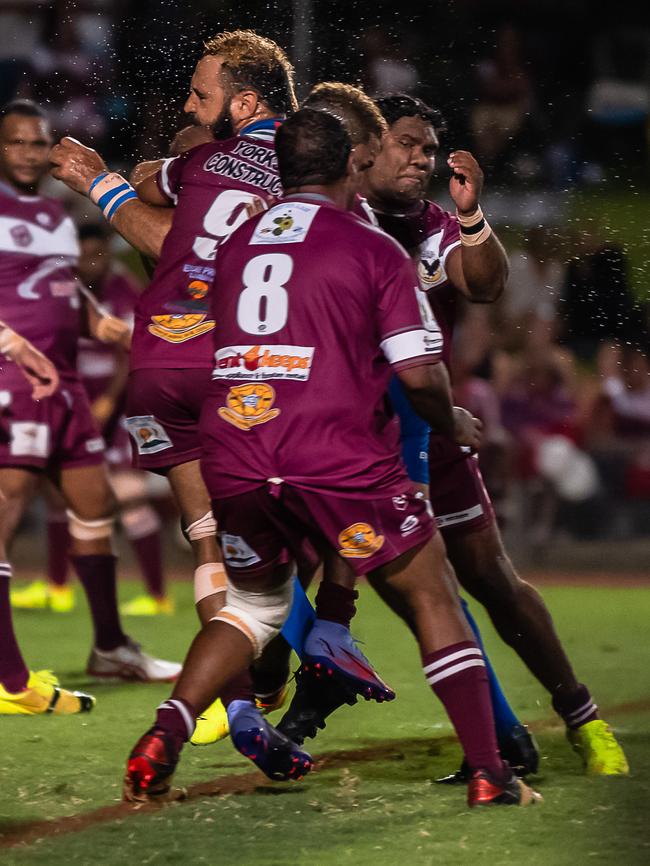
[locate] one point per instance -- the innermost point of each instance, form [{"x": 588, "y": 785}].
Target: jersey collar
[{"x": 262, "y": 129}]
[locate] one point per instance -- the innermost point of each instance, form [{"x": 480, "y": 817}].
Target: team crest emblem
[
  {"x": 179, "y": 327},
  {"x": 429, "y": 270},
  {"x": 21, "y": 235},
  {"x": 197, "y": 290},
  {"x": 359, "y": 541},
  {"x": 249, "y": 405}
]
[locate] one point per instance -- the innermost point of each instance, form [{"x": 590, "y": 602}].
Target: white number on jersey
[
  {"x": 263, "y": 306},
  {"x": 226, "y": 213}
]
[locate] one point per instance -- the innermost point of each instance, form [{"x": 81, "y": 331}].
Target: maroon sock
[
  {"x": 142, "y": 527},
  {"x": 13, "y": 670},
  {"x": 97, "y": 575},
  {"x": 458, "y": 676},
  {"x": 177, "y": 717},
  {"x": 58, "y": 543},
  {"x": 239, "y": 688},
  {"x": 336, "y": 603},
  {"x": 576, "y": 708}
]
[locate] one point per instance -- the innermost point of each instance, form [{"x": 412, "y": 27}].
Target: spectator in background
[
  {"x": 385, "y": 71},
  {"x": 505, "y": 99},
  {"x": 597, "y": 303}
]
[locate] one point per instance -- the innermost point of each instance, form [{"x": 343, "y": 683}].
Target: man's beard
[{"x": 222, "y": 126}]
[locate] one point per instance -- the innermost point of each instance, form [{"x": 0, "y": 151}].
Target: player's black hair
[
  {"x": 93, "y": 231},
  {"x": 24, "y": 107},
  {"x": 396, "y": 105},
  {"x": 312, "y": 148}
]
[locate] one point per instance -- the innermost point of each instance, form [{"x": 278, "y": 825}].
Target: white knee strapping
[
  {"x": 209, "y": 579},
  {"x": 89, "y": 530},
  {"x": 202, "y": 528},
  {"x": 258, "y": 615}
]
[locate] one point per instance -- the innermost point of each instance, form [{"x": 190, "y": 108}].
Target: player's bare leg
[
  {"x": 420, "y": 588},
  {"x": 22, "y": 692},
  {"x": 91, "y": 509},
  {"x": 219, "y": 653},
  {"x": 523, "y": 621}
]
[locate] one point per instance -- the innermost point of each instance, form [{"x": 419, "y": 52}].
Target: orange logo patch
[
  {"x": 197, "y": 289},
  {"x": 359, "y": 541},
  {"x": 178, "y": 328},
  {"x": 249, "y": 405}
]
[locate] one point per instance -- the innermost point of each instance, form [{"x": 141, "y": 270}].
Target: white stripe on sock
[
  {"x": 574, "y": 721},
  {"x": 456, "y": 669},
  {"x": 587, "y": 705},
  {"x": 470, "y": 651},
  {"x": 173, "y": 704}
]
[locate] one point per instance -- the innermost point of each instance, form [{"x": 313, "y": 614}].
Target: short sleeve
[
  {"x": 450, "y": 235},
  {"x": 169, "y": 177},
  {"x": 409, "y": 332}
]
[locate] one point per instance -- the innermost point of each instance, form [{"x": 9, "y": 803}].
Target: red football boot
[
  {"x": 150, "y": 768},
  {"x": 483, "y": 790}
]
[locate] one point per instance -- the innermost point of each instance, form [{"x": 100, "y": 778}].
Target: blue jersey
[{"x": 414, "y": 434}]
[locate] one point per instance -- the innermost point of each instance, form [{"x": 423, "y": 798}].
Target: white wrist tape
[
  {"x": 202, "y": 528},
  {"x": 258, "y": 615},
  {"x": 10, "y": 342},
  {"x": 110, "y": 191},
  {"x": 474, "y": 229},
  {"x": 209, "y": 579}
]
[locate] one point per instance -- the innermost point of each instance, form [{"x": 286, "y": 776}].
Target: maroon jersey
[
  {"x": 430, "y": 234},
  {"x": 38, "y": 290},
  {"x": 210, "y": 185},
  {"x": 316, "y": 310},
  {"x": 97, "y": 362}
]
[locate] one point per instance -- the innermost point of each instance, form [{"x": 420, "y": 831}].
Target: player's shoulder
[{"x": 436, "y": 218}]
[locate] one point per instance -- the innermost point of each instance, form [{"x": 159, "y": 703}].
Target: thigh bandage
[
  {"x": 258, "y": 615},
  {"x": 89, "y": 530}
]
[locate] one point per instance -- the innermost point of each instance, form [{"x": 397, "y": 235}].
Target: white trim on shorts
[{"x": 444, "y": 520}]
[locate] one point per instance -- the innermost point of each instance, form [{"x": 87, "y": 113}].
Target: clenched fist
[
  {"x": 75, "y": 164},
  {"x": 466, "y": 182}
]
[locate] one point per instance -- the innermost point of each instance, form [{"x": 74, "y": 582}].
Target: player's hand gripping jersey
[
  {"x": 38, "y": 290},
  {"x": 316, "y": 310},
  {"x": 173, "y": 323}
]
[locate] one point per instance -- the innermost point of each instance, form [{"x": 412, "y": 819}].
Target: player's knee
[
  {"x": 258, "y": 615},
  {"x": 82, "y": 529}
]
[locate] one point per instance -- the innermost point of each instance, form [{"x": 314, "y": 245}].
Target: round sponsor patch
[
  {"x": 359, "y": 540},
  {"x": 249, "y": 405}
]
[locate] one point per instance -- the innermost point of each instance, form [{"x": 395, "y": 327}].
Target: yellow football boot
[
  {"x": 34, "y": 596},
  {"x": 148, "y": 605},
  {"x": 211, "y": 726},
  {"x": 44, "y": 695},
  {"x": 599, "y": 749},
  {"x": 61, "y": 598},
  {"x": 274, "y": 701}
]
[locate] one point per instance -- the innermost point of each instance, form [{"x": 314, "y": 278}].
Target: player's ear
[
  {"x": 245, "y": 104},
  {"x": 352, "y": 169}
]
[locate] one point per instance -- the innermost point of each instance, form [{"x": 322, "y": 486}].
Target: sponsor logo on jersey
[
  {"x": 197, "y": 290},
  {"x": 21, "y": 235},
  {"x": 94, "y": 446},
  {"x": 429, "y": 270},
  {"x": 237, "y": 552},
  {"x": 29, "y": 439},
  {"x": 359, "y": 541},
  {"x": 180, "y": 327},
  {"x": 43, "y": 219},
  {"x": 409, "y": 525},
  {"x": 249, "y": 405},
  {"x": 286, "y": 224},
  {"x": 263, "y": 362},
  {"x": 148, "y": 434}
]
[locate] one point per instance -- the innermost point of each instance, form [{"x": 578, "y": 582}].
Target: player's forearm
[
  {"x": 144, "y": 170},
  {"x": 429, "y": 392},
  {"x": 144, "y": 226},
  {"x": 485, "y": 269}
]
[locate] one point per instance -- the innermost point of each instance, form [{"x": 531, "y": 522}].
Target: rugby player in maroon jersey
[
  {"x": 57, "y": 435},
  {"x": 460, "y": 256},
  {"x": 323, "y": 306}
]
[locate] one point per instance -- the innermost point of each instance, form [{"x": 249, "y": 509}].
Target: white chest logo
[{"x": 430, "y": 269}]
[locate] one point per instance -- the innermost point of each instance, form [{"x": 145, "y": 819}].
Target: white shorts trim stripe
[
  {"x": 460, "y": 654},
  {"x": 456, "y": 669},
  {"x": 459, "y": 516},
  {"x": 411, "y": 344}
]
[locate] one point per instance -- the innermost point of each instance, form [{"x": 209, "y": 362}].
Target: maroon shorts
[
  {"x": 458, "y": 496},
  {"x": 268, "y": 526},
  {"x": 163, "y": 408},
  {"x": 59, "y": 432}
]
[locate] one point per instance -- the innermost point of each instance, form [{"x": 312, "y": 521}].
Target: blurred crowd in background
[{"x": 552, "y": 97}]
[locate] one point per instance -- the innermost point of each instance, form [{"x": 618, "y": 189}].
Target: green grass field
[{"x": 371, "y": 800}]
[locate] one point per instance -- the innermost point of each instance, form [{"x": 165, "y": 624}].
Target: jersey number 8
[{"x": 263, "y": 306}]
